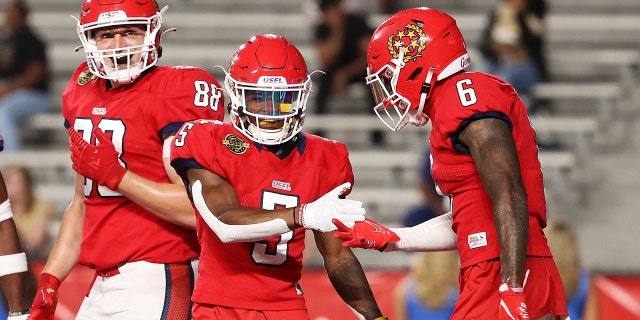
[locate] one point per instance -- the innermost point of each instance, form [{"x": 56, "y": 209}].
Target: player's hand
[
  {"x": 368, "y": 234},
  {"x": 99, "y": 163},
  {"x": 46, "y": 300},
  {"x": 317, "y": 215},
  {"x": 512, "y": 303}
]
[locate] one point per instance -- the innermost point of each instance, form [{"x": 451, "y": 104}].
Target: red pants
[
  {"x": 479, "y": 297},
  {"x": 214, "y": 312}
]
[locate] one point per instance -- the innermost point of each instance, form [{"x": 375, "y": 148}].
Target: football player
[
  {"x": 258, "y": 182},
  {"x": 13, "y": 261},
  {"x": 484, "y": 157},
  {"x": 130, "y": 218}
]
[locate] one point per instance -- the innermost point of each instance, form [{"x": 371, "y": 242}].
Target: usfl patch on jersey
[{"x": 235, "y": 144}]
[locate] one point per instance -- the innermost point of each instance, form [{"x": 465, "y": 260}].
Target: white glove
[{"x": 317, "y": 215}]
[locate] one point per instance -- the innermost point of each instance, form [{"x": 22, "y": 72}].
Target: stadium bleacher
[
  {"x": 591, "y": 178},
  {"x": 593, "y": 50}
]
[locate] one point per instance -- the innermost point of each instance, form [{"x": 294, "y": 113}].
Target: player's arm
[
  {"x": 63, "y": 257},
  {"x": 13, "y": 262},
  {"x": 166, "y": 200},
  {"x": 494, "y": 152},
  {"x": 217, "y": 203},
  {"x": 346, "y": 276},
  {"x": 66, "y": 249},
  {"x": 432, "y": 235}
]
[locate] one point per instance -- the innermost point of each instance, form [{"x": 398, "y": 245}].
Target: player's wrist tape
[
  {"x": 301, "y": 215},
  {"x": 505, "y": 287},
  {"x": 18, "y": 313},
  {"x": 13, "y": 263},
  {"x": 381, "y": 318},
  {"x": 5, "y": 211}
]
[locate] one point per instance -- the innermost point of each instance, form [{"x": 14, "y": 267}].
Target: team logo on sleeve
[
  {"x": 235, "y": 144},
  {"x": 85, "y": 77},
  {"x": 411, "y": 39}
]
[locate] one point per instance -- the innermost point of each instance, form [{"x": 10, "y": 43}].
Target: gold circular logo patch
[
  {"x": 85, "y": 77},
  {"x": 411, "y": 39},
  {"x": 235, "y": 144}
]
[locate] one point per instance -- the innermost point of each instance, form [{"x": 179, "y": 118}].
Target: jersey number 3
[{"x": 264, "y": 252}]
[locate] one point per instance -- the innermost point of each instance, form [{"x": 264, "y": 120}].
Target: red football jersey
[
  {"x": 135, "y": 117},
  {"x": 259, "y": 275},
  {"x": 455, "y": 102}
]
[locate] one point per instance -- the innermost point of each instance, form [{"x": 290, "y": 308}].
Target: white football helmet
[
  {"x": 269, "y": 86},
  {"x": 96, "y": 14}
]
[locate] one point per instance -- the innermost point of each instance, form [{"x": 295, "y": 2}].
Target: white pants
[{"x": 141, "y": 291}]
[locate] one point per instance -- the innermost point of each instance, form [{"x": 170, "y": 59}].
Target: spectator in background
[
  {"x": 366, "y": 7},
  {"x": 32, "y": 215},
  {"x": 431, "y": 288},
  {"x": 24, "y": 74},
  {"x": 13, "y": 262},
  {"x": 563, "y": 242},
  {"x": 432, "y": 204},
  {"x": 341, "y": 39},
  {"x": 513, "y": 44}
]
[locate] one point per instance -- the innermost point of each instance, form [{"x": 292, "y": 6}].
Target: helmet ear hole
[
  {"x": 417, "y": 46},
  {"x": 415, "y": 73}
]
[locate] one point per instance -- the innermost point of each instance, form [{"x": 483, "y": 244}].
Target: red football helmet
[
  {"x": 407, "y": 55},
  {"x": 97, "y": 14},
  {"x": 268, "y": 85}
]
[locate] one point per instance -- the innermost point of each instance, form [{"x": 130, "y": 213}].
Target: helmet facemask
[
  {"x": 393, "y": 109},
  {"x": 268, "y": 113},
  {"x": 121, "y": 65}
]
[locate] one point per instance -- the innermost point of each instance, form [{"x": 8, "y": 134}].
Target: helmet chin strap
[{"x": 424, "y": 94}]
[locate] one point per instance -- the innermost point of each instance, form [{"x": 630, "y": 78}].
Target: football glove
[
  {"x": 317, "y": 215},
  {"x": 368, "y": 234},
  {"x": 512, "y": 303},
  {"x": 46, "y": 300},
  {"x": 99, "y": 163}
]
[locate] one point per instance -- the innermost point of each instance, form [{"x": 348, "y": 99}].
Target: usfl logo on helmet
[{"x": 411, "y": 39}]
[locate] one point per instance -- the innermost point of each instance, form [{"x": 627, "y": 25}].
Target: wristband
[
  {"x": 18, "y": 313},
  {"x": 300, "y": 215},
  {"x": 13, "y": 263},
  {"x": 381, "y": 318},
  {"x": 5, "y": 211}
]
